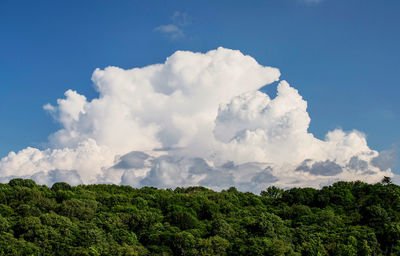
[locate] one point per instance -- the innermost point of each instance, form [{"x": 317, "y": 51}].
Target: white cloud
[{"x": 197, "y": 119}]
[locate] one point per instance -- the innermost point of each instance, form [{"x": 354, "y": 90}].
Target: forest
[{"x": 345, "y": 218}]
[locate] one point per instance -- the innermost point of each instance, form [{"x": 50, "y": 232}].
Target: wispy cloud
[
  {"x": 171, "y": 30},
  {"x": 311, "y": 1},
  {"x": 174, "y": 30},
  {"x": 181, "y": 19}
]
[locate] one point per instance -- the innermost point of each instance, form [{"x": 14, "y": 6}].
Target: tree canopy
[{"x": 346, "y": 218}]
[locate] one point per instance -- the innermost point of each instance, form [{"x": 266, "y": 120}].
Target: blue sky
[{"x": 342, "y": 55}]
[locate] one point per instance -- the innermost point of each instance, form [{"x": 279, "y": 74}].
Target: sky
[{"x": 341, "y": 55}]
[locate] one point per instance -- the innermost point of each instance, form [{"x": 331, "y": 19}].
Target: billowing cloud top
[{"x": 197, "y": 119}]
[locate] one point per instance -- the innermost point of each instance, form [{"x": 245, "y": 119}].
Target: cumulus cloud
[
  {"x": 196, "y": 119},
  {"x": 87, "y": 158}
]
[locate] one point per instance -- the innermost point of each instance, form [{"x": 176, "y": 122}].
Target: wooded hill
[{"x": 346, "y": 218}]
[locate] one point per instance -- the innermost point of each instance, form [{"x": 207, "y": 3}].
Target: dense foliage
[{"x": 347, "y": 218}]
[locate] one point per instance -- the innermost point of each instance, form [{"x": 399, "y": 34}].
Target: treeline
[{"x": 346, "y": 218}]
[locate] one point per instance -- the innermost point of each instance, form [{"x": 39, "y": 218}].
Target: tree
[
  {"x": 272, "y": 192},
  {"x": 386, "y": 180}
]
